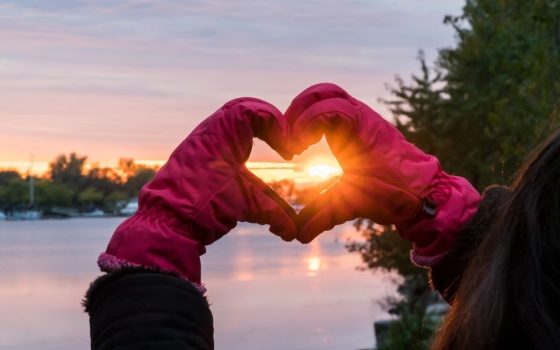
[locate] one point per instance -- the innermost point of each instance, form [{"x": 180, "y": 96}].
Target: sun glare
[{"x": 323, "y": 171}]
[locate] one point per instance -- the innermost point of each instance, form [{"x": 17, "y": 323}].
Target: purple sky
[{"x": 133, "y": 77}]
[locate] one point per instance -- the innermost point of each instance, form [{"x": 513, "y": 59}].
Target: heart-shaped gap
[{"x": 301, "y": 180}]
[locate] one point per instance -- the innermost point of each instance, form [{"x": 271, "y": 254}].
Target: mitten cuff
[
  {"x": 446, "y": 276},
  {"x": 111, "y": 264},
  {"x": 453, "y": 202},
  {"x": 155, "y": 239}
]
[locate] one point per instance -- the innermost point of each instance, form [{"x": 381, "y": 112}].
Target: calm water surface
[{"x": 265, "y": 293}]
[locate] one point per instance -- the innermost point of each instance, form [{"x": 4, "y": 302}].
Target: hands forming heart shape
[
  {"x": 212, "y": 186},
  {"x": 204, "y": 189}
]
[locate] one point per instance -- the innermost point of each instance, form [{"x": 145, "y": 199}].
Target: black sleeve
[
  {"x": 138, "y": 308},
  {"x": 445, "y": 277}
]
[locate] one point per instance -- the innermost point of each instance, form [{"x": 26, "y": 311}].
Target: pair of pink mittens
[{"x": 204, "y": 189}]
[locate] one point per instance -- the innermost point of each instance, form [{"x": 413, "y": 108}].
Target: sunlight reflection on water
[{"x": 265, "y": 293}]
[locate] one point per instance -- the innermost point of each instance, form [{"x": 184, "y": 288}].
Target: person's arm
[
  {"x": 152, "y": 296},
  {"x": 140, "y": 308}
]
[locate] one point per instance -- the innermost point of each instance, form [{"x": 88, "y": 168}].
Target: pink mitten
[
  {"x": 385, "y": 178},
  {"x": 201, "y": 193}
]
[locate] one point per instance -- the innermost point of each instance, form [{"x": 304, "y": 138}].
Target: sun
[{"x": 323, "y": 171}]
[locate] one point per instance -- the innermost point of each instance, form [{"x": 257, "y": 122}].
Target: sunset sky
[{"x": 110, "y": 79}]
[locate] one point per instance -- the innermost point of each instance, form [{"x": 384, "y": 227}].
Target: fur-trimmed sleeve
[
  {"x": 139, "y": 308},
  {"x": 445, "y": 277}
]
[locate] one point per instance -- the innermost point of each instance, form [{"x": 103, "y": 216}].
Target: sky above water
[{"x": 132, "y": 78}]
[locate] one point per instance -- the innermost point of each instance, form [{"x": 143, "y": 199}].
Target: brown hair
[{"x": 508, "y": 295}]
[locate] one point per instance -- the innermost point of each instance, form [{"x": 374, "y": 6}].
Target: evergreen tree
[
  {"x": 483, "y": 106},
  {"x": 488, "y": 100}
]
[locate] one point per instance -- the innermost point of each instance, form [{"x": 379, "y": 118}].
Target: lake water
[{"x": 265, "y": 293}]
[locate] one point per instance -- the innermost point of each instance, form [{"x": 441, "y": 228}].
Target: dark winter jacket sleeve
[
  {"x": 138, "y": 308},
  {"x": 445, "y": 277}
]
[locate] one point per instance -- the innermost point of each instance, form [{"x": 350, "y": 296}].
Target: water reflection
[
  {"x": 274, "y": 292},
  {"x": 313, "y": 265},
  {"x": 314, "y": 260},
  {"x": 243, "y": 263},
  {"x": 265, "y": 293}
]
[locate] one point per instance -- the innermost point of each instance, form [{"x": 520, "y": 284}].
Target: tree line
[{"x": 70, "y": 184}]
